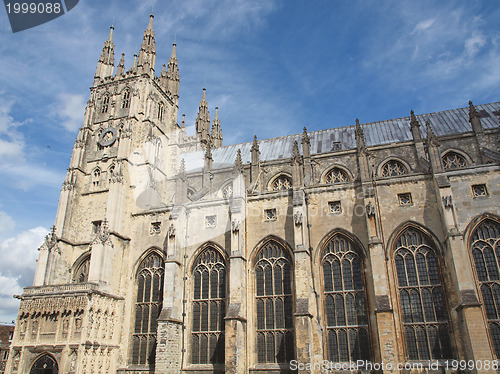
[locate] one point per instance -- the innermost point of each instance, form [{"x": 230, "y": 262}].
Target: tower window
[
  {"x": 161, "y": 110},
  {"x": 209, "y": 308},
  {"x": 105, "y": 104},
  {"x": 82, "y": 273},
  {"x": 275, "y": 341},
  {"x": 126, "y": 99},
  {"x": 96, "y": 227},
  {"x": 96, "y": 175}
]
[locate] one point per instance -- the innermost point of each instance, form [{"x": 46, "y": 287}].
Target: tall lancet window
[
  {"x": 209, "y": 308},
  {"x": 147, "y": 309},
  {"x": 345, "y": 301},
  {"x": 105, "y": 104},
  {"x": 275, "y": 341},
  {"x": 82, "y": 273},
  {"x": 126, "y": 99},
  {"x": 485, "y": 247},
  {"x": 422, "y": 297}
]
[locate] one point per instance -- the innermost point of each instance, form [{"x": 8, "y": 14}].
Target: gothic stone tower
[{"x": 77, "y": 315}]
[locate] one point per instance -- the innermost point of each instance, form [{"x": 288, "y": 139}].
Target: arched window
[
  {"x": 82, "y": 273},
  {"x": 126, "y": 99},
  {"x": 45, "y": 365},
  {"x": 422, "y": 297},
  {"x": 105, "y": 104},
  {"x": 111, "y": 171},
  {"x": 209, "y": 308},
  {"x": 345, "y": 301},
  {"x": 275, "y": 341},
  {"x": 393, "y": 168},
  {"x": 336, "y": 175},
  {"x": 147, "y": 308},
  {"x": 96, "y": 176},
  {"x": 282, "y": 183},
  {"x": 452, "y": 160},
  {"x": 161, "y": 110},
  {"x": 485, "y": 247}
]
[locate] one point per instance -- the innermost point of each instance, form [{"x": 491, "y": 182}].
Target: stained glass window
[
  {"x": 485, "y": 247},
  {"x": 347, "y": 331},
  {"x": 209, "y": 308},
  {"x": 393, "y": 168},
  {"x": 275, "y": 340},
  {"x": 453, "y": 160},
  {"x": 336, "y": 175},
  {"x": 147, "y": 308},
  {"x": 422, "y": 297}
]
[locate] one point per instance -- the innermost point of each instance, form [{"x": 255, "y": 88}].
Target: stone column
[{"x": 235, "y": 320}]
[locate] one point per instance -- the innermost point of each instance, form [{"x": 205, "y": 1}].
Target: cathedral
[{"x": 370, "y": 247}]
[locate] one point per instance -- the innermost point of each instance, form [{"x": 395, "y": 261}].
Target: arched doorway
[{"x": 44, "y": 365}]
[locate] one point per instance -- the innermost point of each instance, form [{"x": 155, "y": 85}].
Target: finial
[
  {"x": 472, "y": 111},
  {"x": 413, "y": 119},
  {"x": 203, "y": 98},
  {"x": 151, "y": 16},
  {"x": 173, "y": 55},
  {"x": 216, "y": 113},
  {"x": 357, "y": 121},
  {"x": 238, "y": 163}
]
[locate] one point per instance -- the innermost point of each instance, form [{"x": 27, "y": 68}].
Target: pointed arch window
[
  {"x": 209, "y": 308},
  {"x": 275, "y": 341},
  {"x": 161, "y": 110},
  {"x": 422, "y": 297},
  {"x": 345, "y": 303},
  {"x": 393, "y": 168},
  {"x": 485, "y": 248},
  {"x": 453, "y": 160},
  {"x": 126, "y": 99},
  {"x": 147, "y": 308},
  {"x": 282, "y": 183},
  {"x": 336, "y": 175},
  {"x": 82, "y": 273},
  {"x": 105, "y": 104}
]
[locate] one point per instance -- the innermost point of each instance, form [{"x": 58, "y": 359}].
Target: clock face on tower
[{"x": 107, "y": 137}]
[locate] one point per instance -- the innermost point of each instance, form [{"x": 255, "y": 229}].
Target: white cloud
[
  {"x": 11, "y": 141},
  {"x": 474, "y": 44},
  {"x": 70, "y": 110},
  {"x": 17, "y": 268},
  {"x": 7, "y": 224},
  {"x": 423, "y": 25}
]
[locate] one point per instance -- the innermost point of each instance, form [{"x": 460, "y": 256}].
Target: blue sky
[{"x": 271, "y": 66}]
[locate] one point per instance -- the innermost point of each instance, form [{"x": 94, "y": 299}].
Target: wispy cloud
[{"x": 70, "y": 110}]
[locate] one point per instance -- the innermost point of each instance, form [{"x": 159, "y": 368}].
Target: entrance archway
[{"x": 44, "y": 365}]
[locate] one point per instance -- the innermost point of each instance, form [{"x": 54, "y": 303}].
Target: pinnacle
[{"x": 150, "y": 25}]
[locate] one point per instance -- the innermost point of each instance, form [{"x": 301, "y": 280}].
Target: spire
[
  {"x": 173, "y": 78},
  {"x": 147, "y": 54},
  {"x": 475, "y": 119},
  {"x": 238, "y": 163},
  {"x": 360, "y": 137},
  {"x": 415, "y": 127},
  {"x": 296, "y": 159},
  {"x": 121, "y": 66},
  {"x": 255, "y": 151},
  {"x": 106, "y": 63},
  {"x": 216, "y": 134},
  {"x": 203, "y": 120},
  {"x": 431, "y": 137},
  {"x": 306, "y": 144}
]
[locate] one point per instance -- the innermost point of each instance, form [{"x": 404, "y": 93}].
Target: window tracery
[
  {"x": 209, "y": 307},
  {"x": 453, "y": 160},
  {"x": 282, "y": 183},
  {"x": 345, "y": 302},
  {"x": 96, "y": 176},
  {"x": 147, "y": 308},
  {"x": 336, "y": 175},
  {"x": 422, "y": 297},
  {"x": 275, "y": 341},
  {"x": 485, "y": 248},
  {"x": 82, "y": 273},
  {"x": 393, "y": 168}
]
